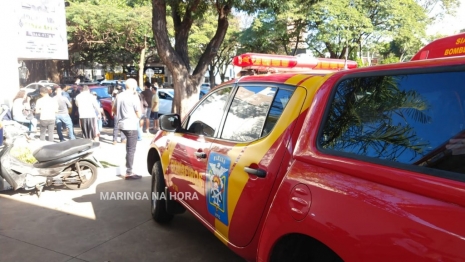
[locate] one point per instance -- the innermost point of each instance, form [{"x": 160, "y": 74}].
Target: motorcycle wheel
[{"x": 84, "y": 165}]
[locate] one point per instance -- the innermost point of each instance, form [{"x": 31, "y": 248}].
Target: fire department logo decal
[{"x": 217, "y": 186}]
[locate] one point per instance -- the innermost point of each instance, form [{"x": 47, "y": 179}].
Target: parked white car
[
  {"x": 34, "y": 86},
  {"x": 166, "y": 97}
]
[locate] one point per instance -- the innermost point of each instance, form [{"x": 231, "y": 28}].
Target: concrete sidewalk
[{"x": 85, "y": 225}]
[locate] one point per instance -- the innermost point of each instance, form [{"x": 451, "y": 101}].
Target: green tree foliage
[
  {"x": 226, "y": 52},
  {"x": 277, "y": 29},
  {"x": 107, "y": 33},
  {"x": 446, "y": 7},
  {"x": 263, "y": 36},
  {"x": 201, "y": 32},
  {"x": 351, "y": 24},
  {"x": 117, "y": 3},
  {"x": 175, "y": 52},
  {"x": 335, "y": 27}
]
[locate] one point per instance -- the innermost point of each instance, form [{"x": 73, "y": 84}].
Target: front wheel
[
  {"x": 159, "y": 213},
  {"x": 74, "y": 182}
]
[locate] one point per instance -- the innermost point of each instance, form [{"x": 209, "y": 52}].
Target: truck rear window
[{"x": 415, "y": 119}]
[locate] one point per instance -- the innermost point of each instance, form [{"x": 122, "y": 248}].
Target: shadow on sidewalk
[{"x": 91, "y": 226}]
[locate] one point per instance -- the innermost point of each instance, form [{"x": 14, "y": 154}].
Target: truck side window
[
  {"x": 406, "y": 120},
  {"x": 277, "y": 107},
  {"x": 247, "y": 114},
  {"x": 206, "y": 117}
]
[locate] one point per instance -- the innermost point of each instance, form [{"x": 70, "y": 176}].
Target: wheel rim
[{"x": 84, "y": 167}]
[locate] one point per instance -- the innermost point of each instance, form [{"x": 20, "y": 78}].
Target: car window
[
  {"x": 277, "y": 107},
  {"x": 248, "y": 113},
  {"x": 206, "y": 117},
  {"x": 414, "y": 119},
  {"x": 163, "y": 95},
  {"x": 170, "y": 92},
  {"x": 102, "y": 92},
  {"x": 32, "y": 86}
]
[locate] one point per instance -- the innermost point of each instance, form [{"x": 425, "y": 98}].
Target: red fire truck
[{"x": 365, "y": 164}]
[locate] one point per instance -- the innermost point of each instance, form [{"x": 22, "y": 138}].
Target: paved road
[{"x": 79, "y": 225}]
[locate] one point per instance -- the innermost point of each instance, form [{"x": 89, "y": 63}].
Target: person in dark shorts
[
  {"x": 87, "y": 106},
  {"x": 147, "y": 96}
]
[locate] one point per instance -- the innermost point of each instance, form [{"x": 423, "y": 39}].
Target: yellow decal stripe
[
  {"x": 294, "y": 80},
  {"x": 312, "y": 84},
  {"x": 168, "y": 153},
  {"x": 253, "y": 153}
]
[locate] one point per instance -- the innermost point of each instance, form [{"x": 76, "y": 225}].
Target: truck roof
[{"x": 444, "y": 47}]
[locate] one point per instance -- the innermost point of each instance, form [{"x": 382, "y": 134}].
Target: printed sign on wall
[{"x": 41, "y": 29}]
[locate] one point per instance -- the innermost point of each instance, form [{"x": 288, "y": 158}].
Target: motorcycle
[{"x": 70, "y": 163}]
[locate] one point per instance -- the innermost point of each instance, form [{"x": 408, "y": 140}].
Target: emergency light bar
[
  {"x": 443, "y": 47},
  {"x": 265, "y": 62}
]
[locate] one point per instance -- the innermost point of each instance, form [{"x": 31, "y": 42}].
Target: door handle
[
  {"x": 200, "y": 155},
  {"x": 255, "y": 171}
]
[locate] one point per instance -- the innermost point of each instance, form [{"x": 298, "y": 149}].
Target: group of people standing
[
  {"x": 132, "y": 113},
  {"x": 151, "y": 106},
  {"x": 52, "y": 109}
]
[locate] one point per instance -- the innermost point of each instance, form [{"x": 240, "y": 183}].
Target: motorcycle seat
[{"x": 62, "y": 149}]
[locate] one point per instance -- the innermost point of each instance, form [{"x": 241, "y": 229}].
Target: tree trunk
[
  {"x": 186, "y": 86},
  {"x": 211, "y": 73},
  {"x": 36, "y": 70},
  {"x": 141, "y": 67},
  {"x": 53, "y": 71},
  {"x": 184, "y": 101},
  {"x": 222, "y": 76}
]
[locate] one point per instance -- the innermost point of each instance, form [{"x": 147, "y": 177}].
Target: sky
[{"x": 450, "y": 24}]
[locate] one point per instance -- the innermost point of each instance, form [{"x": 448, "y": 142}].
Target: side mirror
[{"x": 170, "y": 123}]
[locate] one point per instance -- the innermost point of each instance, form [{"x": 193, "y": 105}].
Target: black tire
[
  {"x": 158, "y": 208},
  {"x": 84, "y": 165}
]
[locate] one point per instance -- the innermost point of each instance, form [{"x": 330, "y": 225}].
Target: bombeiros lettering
[
  {"x": 191, "y": 174},
  {"x": 455, "y": 51}
]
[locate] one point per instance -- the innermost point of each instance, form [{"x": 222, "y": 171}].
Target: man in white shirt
[
  {"x": 87, "y": 106},
  {"x": 47, "y": 108}
]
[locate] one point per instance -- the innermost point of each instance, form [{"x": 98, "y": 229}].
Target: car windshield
[{"x": 102, "y": 92}]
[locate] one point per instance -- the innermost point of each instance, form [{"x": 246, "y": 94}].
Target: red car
[
  {"x": 364, "y": 164},
  {"x": 105, "y": 99}
]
